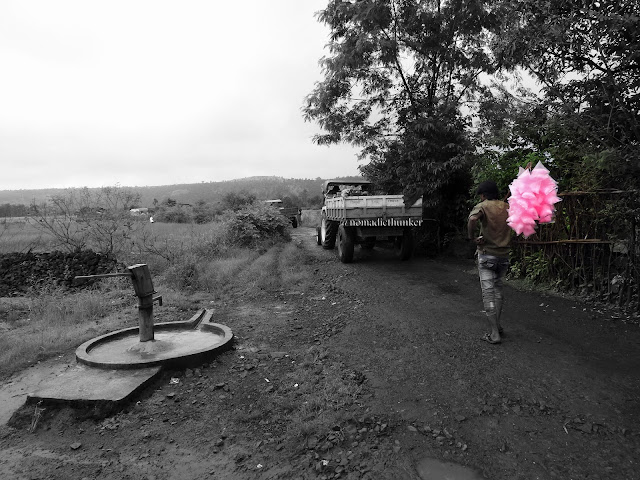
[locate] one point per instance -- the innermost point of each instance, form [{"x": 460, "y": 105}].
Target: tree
[
  {"x": 402, "y": 81},
  {"x": 585, "y": 55},
  {"x": 89, "y": 218},
  {"x": 237, "y": 200},
  {"x": 9, "y": 210}
]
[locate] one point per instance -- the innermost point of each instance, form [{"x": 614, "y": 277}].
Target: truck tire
[
  {"x": 329, "y": 229},
  {"x": 319, "y": 235},
  {"x": 404, "y": 245},
  {"x": 368, "y": 243},
  {"x": 294, "y": 222},
  {"x": 346, "y": 243}
]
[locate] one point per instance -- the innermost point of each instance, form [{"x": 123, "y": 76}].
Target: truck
[
  {"x": 292, "y": 213},
  {"x": 353, "y": 215}
]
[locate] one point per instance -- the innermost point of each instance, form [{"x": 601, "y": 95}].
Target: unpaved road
[{"x": 558, "y": 399}]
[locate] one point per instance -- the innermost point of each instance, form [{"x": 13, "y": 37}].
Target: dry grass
[
  {"x": 291, "y": 275},
  {"x": 20, "y": 235},
  {"x": 239, "y": 270},
  {"x": 51, "y": 321},
  {"x": 157, "y": 240}
]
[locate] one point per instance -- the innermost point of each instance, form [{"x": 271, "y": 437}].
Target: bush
[
  {"x": 237, "y": 200},
  {"x": 183, "y": 272},
  {"x": 255, "y": 223},
  {"x": 174, "y": 214},
  {"x": 204, "y": 213}
]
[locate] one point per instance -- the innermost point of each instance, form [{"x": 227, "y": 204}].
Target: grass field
[{"x": 20, "y": 235}]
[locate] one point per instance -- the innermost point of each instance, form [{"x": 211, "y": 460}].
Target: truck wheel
[
  {"x": 404, "y": 245},
  {"x": 319, "y": 235},
  {"x": 329, "y": 230},
  {"x": 368, "y": 243},
  {"x": 294, "y": 222},
  {"x": 345, "y": 244}
]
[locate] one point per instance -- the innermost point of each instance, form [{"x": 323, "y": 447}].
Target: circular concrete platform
[{"x": 174, "y": 344}]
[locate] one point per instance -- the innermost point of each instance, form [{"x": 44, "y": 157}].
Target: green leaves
[
  {"x": 399, "y": 74},
  {"x": 585, "y": 54}
]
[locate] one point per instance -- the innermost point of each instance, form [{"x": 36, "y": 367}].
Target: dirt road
[{"x": 364, "y": 373}]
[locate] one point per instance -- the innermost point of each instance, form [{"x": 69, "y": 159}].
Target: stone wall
[{"x": 18, "y": 271}]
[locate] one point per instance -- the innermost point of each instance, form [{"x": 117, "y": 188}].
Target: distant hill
[{"x": 262, "y": 187}]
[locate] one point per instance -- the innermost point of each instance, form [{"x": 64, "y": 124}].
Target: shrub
[
  {"x": 174, "y": 214},
  {"x": 254, "y": 223},
  {"x": 204, "y": 213},
  {"x": 237, "y": 200},
  {"x": 183, "y": 273}
]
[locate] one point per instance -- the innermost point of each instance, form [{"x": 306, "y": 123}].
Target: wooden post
[{"x": 143, "y": 286}]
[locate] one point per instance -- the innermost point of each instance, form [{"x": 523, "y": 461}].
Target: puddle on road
[{"x": 434, "y": 469}]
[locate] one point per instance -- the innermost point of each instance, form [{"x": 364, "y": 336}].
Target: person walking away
[{"x": 492, "y": 250}]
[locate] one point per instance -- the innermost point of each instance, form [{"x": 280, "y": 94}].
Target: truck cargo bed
[{"x": 371, "y": 207}]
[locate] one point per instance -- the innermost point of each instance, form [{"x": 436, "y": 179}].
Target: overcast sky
[{"x": 155, "y": 92}]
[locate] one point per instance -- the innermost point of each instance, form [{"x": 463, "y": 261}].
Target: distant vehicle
[
  {"x": 292, "y": 213},
  {"x": 136, "y": 212},
  {"x": 352, "y": 215}
]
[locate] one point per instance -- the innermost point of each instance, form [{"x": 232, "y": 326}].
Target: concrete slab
[
  {"x": 14, "y": 391},
  {"x": 83, "y": 385}
]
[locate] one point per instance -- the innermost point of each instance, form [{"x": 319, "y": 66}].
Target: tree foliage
[
  {"x": 9, "y": 210},
  {"x": 401, "y": 81},
  {"x": 237, "y": 200},
  {"x": 585, "y": 55},
  {"x": 254, "y": 223}
]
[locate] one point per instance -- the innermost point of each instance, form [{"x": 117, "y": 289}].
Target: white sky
[{"x": 155, "y": 92}]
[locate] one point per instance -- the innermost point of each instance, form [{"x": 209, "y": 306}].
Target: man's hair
[{"x": 489, "y": 189}]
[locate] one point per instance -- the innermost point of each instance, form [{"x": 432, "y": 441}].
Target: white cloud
[{"x": 144, "y": 92}]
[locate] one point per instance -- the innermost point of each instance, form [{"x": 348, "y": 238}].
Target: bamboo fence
[{"x": 591, "y": 247}]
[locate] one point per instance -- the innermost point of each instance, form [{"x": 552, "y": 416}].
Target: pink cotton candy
[{"x": 533, "y": 195}]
